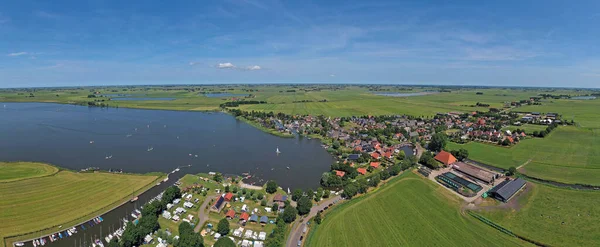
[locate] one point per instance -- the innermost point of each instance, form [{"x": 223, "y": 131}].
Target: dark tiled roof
[{"x": 509, "y": 189}]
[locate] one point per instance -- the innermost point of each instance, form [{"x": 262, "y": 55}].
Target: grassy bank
[
  {"x": 266, "y": 130},
  {"x": 408, "y": 211},
  {"x": 13, "y": 171},
  {"x": 32, "y": 207}
]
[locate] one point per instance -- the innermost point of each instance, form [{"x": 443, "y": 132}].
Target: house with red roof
[
  {"x": 340, "y": 173},
  {"x": 375, "y": 164},
  {"x": 230, "y": 214},
  {"x": 387, "y": 155},
  {"x": 445, "y": 157},
  {"x": 362, "y": 171},
  {"x": 244, "y": 216},
  {"x": 228, "y": 196},
  {"x": 375, "y": 155}
]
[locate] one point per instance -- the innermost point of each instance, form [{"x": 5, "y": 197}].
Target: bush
[{"x": 223, "y": 227}]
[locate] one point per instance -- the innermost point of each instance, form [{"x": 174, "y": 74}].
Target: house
[
  {"x": 148, "y": 239},
  {"x": 258, "y": 244},
  {"x": 244, "y": 216},
  {"x": 246, "y": 243},
  {"x": 180, "y": 210},
  {"x": 253, "y": 218},
  {"x": 188, "y": 204},
  {"x": 230, "y": 214},
  {"x": 264, "y": 220},
  {"x": 445, "y": 157},
  {"x": 166, "y": 214},
  {"x": 238, "y": 232},
  {"x": 218, "y": 203},
  {"x": 507, "y": 189},
  {"x": 340, "y": 173},
  {"x": 228, "y": 196},
  {"x": 375, "y": 155},
  {"x": 280, "y": 198},
  {"x": 375, "y": 165},
  {"x": 362, "y": 171}
]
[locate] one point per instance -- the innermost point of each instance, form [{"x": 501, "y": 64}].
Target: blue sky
[{"x": 504, "y": 43}]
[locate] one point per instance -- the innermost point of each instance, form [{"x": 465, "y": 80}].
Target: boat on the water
[
  {"x": 134, "y": 199},
  {"x": 277, "y": 151}
]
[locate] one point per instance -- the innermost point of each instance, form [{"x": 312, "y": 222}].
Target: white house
[{"x": 166, "y": 215}]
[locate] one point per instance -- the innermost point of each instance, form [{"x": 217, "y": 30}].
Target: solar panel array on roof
[{"x": 219, "y": 202}]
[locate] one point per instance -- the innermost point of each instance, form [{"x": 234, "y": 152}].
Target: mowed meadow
[
  {"x": 569, "y": 155},
  {"x": 14, "y": 171},
  {"x": 408, "y": 211},
  {"x": 553, "y": 216},
  {"x": 65, "y": 198}
]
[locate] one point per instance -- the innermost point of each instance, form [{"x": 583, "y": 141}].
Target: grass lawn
[
  {"x": 568, "y": 155},
  {"x": 13, "y": 171},
  {"x": 528, "y": 128},
  {"x": 409, "y": 211},
  {"x": 39, "y": 204},
  {"x": 541, "y": 216}
]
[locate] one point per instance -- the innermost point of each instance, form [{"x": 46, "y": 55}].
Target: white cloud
[
  {"x": 192, "y": 63},
  {"x": 226, "y": 66},
  {"x": 255, "y": 67},
  {"x": 16, "y": 54},
  {"x": 332, "y": 75}
]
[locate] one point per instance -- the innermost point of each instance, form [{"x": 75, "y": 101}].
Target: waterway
[{"x": 140, "y": 141}]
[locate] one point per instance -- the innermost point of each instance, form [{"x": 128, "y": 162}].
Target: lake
[
  {"x": 395, "y": 94},
  {"x": 584, "y": 97},
  {"x": 77, "y": 137},
  {"x": 223, "y": 95}
]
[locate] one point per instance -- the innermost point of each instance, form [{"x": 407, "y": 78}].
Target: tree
[
  {"x": 263, "y": 202},
  {"x": 297, "y": 194},
  {"x": 224, "y": 242},
  {"x": 223, "y": 227},
  {"x": 374, "y": 181},
  {"x": 187, "y": 236},
  {"x": 170, "y": 194},
  {"x": 350, "y": 190},
  {"x": 318, "y": 218},
  {"x": 395, "y": 169},
  {"x": 289, "y": 214},
  {"x": 114, "y": 242},
  {"x": 335, "y": 144},
  {"x": 438, "y": 142},
  {"x": 218, "y": 177},
  {"x": 384, "y": 175},
  {"x": 148, "y": 224},
  {"x": 227, "y": 188},
  {"x": 460, "y": 154},
  {"x": 511, "y": 171},
  {"x": 428, "y": 160},
  {"x": 275, "y": 207},
  {"x": 304, "y": 205},
  {"x": 271, "y": 187}
]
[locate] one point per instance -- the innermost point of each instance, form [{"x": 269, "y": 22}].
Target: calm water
[
  {"x": 61, "y": 135},
  {"x": 222, "y": 95},
  {"x": 404, "y": 94},
  {"x": 584, "y": 97},
  {"x": 141, "y": 99}
]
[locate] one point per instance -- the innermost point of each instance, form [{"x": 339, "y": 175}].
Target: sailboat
[
  {"x": 150, "y": 149},
  {"x": 277, "y": 151},
  {"x": 289, "y": 191}
]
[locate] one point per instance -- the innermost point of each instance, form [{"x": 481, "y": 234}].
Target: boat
[
  {"x": 19, "y": 244},
  {"x": 289, "y": 191},
  {"x": 277, "y": 151},
  {"x": 99, "y": 217},
  {"x": 134, "y": 199},
  {"x": 166, "y": 179},
  {"x": 82, "y": 227},
  {"x": 138, "y": 211},
  {"x": 60, "y": 235},
  {"x": 91, "y": 142},
  {"x": 134, "y": 215},
  {"x": 150, "y": 149},
  {"x": 177, "y": 169},
  {"x": 287, "y": 167}
]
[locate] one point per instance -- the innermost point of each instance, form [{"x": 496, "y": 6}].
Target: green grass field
[
  {"x": 584, "y": 112},
  {"x": 568, "y": 155},
  {"x": 554, "y": 216},
  {"x": 65, "y": 198},
  {"x": 13, "y": 171},
  {"x": 409, "y": 211}
]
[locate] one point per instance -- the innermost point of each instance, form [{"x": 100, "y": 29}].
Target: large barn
[
  {"x": 507, "y": 189},
  {"x": 475, "y": 172}
]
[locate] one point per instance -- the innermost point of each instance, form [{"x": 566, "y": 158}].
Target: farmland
[
  {"x": 550, "y": 214},
  {"x": 407, "y": 211},
  {"x": 584, "y": 112},
  {"x": 22, "y": 170},
  {"x": 39, "y": 204},
  {"x": 568, "y": 155}
]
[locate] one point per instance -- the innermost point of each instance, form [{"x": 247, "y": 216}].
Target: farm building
[
  {"x": 445, "y": 157},
  {"x": 507, "y": 189},
  {"x": 475, "y": 172}
]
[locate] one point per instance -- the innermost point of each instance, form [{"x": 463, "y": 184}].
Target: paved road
[
  {"x": 298, "y": 226},
  {"x": 203, "y": 213}
]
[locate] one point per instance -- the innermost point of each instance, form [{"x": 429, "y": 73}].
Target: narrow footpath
[{"x": 299, "y": 225}]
